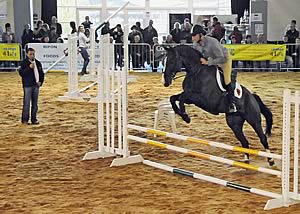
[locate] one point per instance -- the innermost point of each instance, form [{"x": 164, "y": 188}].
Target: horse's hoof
[
  {"x": 271, "y": 162},
  {"x": 246, "y": 161},
  {"x": 186, "y": 118}
]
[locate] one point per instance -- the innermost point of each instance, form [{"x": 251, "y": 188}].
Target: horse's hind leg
[
  {"x": 256, "y": 125},
  {"x": 236, "y": 122}
]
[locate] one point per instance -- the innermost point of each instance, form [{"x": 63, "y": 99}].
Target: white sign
[
  {"x": 3, "y": 9},
  {"x": 49, "y": 53},
  {"x": 259, "y": 29},
  {"x": 256, "y": 17}
]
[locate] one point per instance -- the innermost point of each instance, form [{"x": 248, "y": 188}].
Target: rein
[{"x": 179, "y": 77}]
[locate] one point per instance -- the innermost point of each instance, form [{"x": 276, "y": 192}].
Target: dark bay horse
[{"x": 200, "y": 88}]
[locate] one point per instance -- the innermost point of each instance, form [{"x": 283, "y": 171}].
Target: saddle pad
[{"x": 238, "y": 91}]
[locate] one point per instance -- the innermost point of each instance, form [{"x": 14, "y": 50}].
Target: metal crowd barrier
[{"x": 144, "y": 57}]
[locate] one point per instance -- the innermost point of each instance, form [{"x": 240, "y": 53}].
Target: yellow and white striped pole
[
  {"x": 205, "y": 156},
  {"x": 205, "y": 142}
]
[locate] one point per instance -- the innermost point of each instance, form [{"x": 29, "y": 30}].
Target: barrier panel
[{"x": 10, "y": 56}]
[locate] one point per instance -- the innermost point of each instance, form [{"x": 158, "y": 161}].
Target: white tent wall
[{"x": 280, "y": 14}]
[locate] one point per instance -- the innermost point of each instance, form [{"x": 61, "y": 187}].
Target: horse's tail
[{"x": 267, "y": 114}]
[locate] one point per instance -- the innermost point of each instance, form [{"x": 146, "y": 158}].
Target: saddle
[{"x": 238, "y": 91}]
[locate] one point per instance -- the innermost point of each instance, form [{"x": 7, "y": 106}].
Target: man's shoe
[
  {"x": 232, "y": 108},
  {"x": 25, "y": 123},
  {"x": 35, "y": 123}
]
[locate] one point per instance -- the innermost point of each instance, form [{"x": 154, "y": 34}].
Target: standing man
[
  {"x": 148, "y": 34},
  {"x": 57, "y": 26},
  {"x": 293, "y": 35},
  {"x": 87, "y": 23},
  {"x": 218, "y": 31},
  {"x": 32, "y": 75}
]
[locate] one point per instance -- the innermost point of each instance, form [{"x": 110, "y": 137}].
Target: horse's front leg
[
  {"x": 184, "y": 115},
  {"x": 173, "y": 100}
]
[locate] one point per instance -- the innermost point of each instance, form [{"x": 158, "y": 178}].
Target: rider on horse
[{"x": 216, "y": 55}]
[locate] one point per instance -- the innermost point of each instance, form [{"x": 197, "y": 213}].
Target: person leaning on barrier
[
  {"x": 134, "y": 32},
  {"x": 32, "y": 74},
  {"x": 293, "y": 35},
  {"x": 215, "y": 54},
  {"x": 289, "y": 52},
  {"x": 117, "y": 36},
  {"x": 27, "y": 35}
]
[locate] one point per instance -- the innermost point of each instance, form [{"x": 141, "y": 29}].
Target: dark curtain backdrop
[
  {"x": 238, "y": 7},
  {"x": 49, "y": 9}
]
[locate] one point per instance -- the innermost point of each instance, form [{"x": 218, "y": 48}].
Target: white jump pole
[{"x": 55, "y": 63}]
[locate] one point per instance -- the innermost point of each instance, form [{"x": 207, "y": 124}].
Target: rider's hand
[{"x": 203, "y": 61}]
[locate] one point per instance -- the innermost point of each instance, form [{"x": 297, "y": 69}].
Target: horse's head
[{"x": 172, "y": 64}]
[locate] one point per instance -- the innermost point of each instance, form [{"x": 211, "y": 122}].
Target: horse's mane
[{"x": 188, "y": 51}]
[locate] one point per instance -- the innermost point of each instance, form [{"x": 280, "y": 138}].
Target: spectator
[
  {"x": 134, "y": 32},
  {"x": 234, "y": 42},
  {"x": 87, "y": 32},
  {"x": 38, "y": 33},
  {"x": 57, "y": 26},
  {"x": 52, "y": 35},
  {"x": 186, "y": 20},
  {"x": 106, "y": 29},
  {"x": 218, "y": 31},
  {"x": 117, "y": 36},
  {"x": 8, "y": 36},
  {"x": 148, "y": 33},
  {"x": 83, "y": 40},
  {"x": 260, "y": 40},
  {"x": 87, "y": 23},
  {"x": 293, "y": 34},
  {"x": 156, "y": 63},
  {"x": 246, "y": 63},
  {"x": 138, "y": 27},
  {"x": 45, "y": 39},
  {"x": 170, "y": 39},
  {"x": 32, "y": 74},
  {"x": 238, "y": 35},
  {"x": 73, "y": 27},
  {"x": 185, "y": 35},
  {"x": 136, "y": 52},
  {"x": 27, "y": 35},
  {"x": 289, "y": 53},
  {"x": 45, "y": 30},
  {"x": 223, "y": 41},
  {"x": 176, "y": 32}
]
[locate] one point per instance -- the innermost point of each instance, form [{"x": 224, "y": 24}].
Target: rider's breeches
[{"x": 227, "y": 67}]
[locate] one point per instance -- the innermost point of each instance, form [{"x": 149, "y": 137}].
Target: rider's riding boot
[{"x": 230, "y": 96}]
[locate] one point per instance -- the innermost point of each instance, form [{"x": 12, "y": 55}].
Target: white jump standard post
[
  {"x": 73, "y": 92},
  {"x": 106, "y": 135},
  {"x": 288, "y": 198}
]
